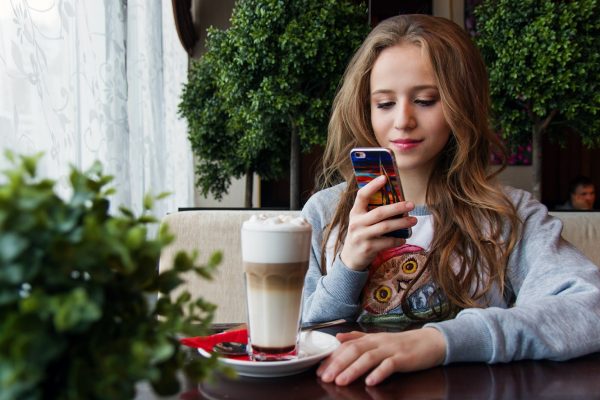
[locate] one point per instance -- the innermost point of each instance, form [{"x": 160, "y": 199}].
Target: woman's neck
[{"x": 414, "y": 186}]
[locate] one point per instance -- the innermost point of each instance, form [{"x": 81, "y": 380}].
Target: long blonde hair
[{"x": 469, "y": 209}]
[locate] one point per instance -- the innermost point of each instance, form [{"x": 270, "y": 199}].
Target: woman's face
[{"x": 406, "y": 110}]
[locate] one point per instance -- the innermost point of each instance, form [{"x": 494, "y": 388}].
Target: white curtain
[{"x": 86, "y": 80}]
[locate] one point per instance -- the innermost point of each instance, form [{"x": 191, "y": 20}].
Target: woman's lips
[{"x": 405, "y": 144}]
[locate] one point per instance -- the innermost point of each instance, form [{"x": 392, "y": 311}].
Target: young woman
[{"x": 485, "y": 272}]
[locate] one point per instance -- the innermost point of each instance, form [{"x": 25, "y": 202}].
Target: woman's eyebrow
[
  {"x": 414, "y": 88},
  {"x": 382, "y": 91}
]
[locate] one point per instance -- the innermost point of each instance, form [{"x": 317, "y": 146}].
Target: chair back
[
  {"x": 582, "y": 229},
  {"x": 208, "y": 231}
]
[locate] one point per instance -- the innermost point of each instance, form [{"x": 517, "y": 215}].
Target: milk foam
[
  {"x": 279, "y": 222},
  {"x": 280, "y": 239}
]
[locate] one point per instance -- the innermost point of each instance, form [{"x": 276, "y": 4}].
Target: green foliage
[
  {"x": 76, "y": 321},
  {"x": 543, "y": 58},
  {"x": 274, "y": 70}
]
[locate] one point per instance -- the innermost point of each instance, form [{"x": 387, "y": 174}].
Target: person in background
[{"x": 582, "y": 195}]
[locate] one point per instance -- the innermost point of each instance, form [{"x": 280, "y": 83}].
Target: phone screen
[{"x": 369, "y": 163}]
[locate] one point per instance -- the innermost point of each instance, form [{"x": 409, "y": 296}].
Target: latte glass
[{"x": 275, "y": 253}]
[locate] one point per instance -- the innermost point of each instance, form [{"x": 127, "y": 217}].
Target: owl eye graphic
[
  {"x": 410, "y": 266},
  {"x": 395, "y": 274},
  {"x": 383, "y": 294}
]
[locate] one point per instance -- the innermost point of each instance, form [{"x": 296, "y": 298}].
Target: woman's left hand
[{"x": 384, "y": 353}]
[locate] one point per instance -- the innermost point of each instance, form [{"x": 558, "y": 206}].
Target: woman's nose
[{"x": 404, "y": 117}]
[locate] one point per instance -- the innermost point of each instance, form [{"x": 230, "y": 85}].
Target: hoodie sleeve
[
  {"x": 557, "y": 310},
  {"x": 336, "y": 294}
]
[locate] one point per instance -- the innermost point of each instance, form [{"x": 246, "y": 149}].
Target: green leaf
[
  {"x": 169, "y": 280},
  {"x": 162, "y": 351},
  {"x": 163, "y": 195},
  {"x": 13, "y": 273},
  {"x": 11, "y": 245},
  {"x": 75, "y": 311},
  {"x": 30, "y": 163},
  {"x": 148, "y": 202},
  {"x": 215, "y": 259},
  {"x": 135, "y": 237}
]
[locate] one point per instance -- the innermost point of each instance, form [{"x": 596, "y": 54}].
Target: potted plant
[
  {"x": 263, "y": 90},
  {"x": 76, "y": 318},
  {"x": 543, "y": 58}
]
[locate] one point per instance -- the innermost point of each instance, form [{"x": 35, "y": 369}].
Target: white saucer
[{"x": 314, "y": 346}]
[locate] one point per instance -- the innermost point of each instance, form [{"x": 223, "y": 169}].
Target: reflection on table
[{"x": 575, "y": 379}]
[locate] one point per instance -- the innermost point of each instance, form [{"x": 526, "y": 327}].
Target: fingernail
[
  {"x": 327, "y": 377},
  {"x": 410, "y": 204},
  {"x": 319, "y": 372},
  {"x": 370, "y": 381}
]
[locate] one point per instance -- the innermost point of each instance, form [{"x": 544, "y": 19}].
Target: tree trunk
[
  {"x": 249, "y": 188},
  {"x": 539, "y": 129},
  {"x": 294, "y": 170},
  {"x": 536, "y": 162}
]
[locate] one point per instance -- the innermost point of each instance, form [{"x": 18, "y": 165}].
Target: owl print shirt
[{"x": 398, "y": 273}]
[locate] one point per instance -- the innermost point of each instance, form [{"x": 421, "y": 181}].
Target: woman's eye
[
  {"x": 385, "y": 105},
  {"x": 425, "y": 103}
]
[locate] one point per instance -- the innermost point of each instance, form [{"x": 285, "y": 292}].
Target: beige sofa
[{"x": 211, "y": 230}]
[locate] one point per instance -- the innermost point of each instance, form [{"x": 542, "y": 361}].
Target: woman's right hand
[{"x": 364, "y": 238}]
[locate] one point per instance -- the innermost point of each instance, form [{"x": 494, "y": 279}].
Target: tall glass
[{"x": 275, "y": 253}]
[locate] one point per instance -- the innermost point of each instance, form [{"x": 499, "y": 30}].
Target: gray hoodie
[{"x": 555, "y": 312}]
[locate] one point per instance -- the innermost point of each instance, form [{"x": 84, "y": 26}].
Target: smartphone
[{"x": 369, "y": 163}]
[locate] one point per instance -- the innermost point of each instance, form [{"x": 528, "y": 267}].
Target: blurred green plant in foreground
[{"x": 76, "y": 321}]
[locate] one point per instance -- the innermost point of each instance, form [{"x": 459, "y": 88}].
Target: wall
[
  {"x": 520, "y": 177},
  {"x": 454, "y": 10},
  {"x": 206, "y": 13}
]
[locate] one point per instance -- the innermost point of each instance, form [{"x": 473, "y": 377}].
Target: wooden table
[{"x": 575, "y": 379}]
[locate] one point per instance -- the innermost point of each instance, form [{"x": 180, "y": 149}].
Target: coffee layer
[
  {"x": 276, "y": 276},
  {"x": 274, "y": 293}
]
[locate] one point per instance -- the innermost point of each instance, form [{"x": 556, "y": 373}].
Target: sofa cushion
[
  {"x": 582, "y": 229},
  {"x": 219, "y": 230},
  {"x": 208, "y": 231}
]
